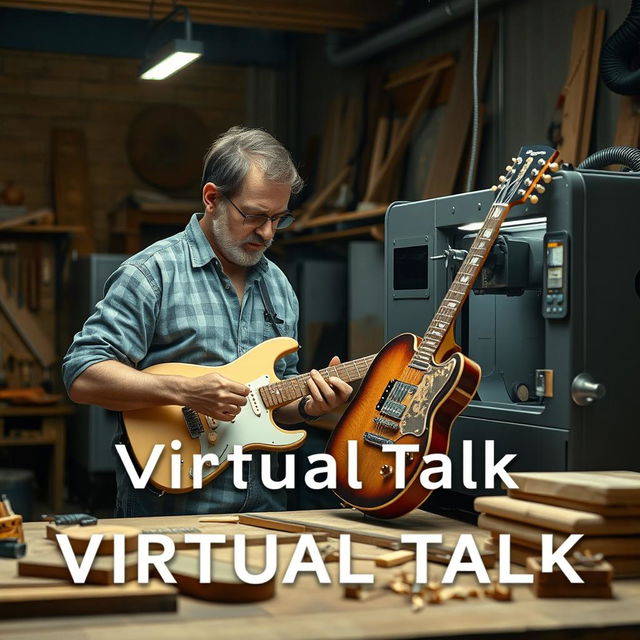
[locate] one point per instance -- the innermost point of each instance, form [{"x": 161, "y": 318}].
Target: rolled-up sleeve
[{"x": 122, "y": 326}]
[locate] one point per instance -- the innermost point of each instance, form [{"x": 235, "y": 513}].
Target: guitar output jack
[{"x": 386, "y": 470}]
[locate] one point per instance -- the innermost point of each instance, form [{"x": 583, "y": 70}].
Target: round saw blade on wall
[{"x": 166, "y": 145}]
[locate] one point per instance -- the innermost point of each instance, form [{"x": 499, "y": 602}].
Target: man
[{"x": 195, "y": 298}]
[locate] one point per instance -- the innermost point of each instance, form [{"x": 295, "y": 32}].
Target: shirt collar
[{"x": 202, "y": 252}]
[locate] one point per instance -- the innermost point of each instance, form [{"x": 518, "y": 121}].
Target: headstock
[{"x": 524, "y": 174}]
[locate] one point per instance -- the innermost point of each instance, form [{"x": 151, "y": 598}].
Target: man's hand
[
  {"x": 326, "y": 395},
  {"x": 214, "y": 395}
]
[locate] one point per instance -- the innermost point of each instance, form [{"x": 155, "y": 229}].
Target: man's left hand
[{"x": 326, "y": 395}]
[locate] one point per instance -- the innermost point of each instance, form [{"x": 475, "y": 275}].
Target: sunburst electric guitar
[
  {"x": 415, "y": 388},
  {"x": 253, "y": 427}
]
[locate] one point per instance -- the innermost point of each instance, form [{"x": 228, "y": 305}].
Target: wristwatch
[{"x": 305, "y": 416}]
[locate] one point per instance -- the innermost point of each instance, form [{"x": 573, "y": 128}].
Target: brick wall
[{"x": 101, "y": 96}]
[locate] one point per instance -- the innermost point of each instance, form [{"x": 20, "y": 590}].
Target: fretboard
[
  {"x": 279, "y": 393},
  {"x": 460, "y": 287}
]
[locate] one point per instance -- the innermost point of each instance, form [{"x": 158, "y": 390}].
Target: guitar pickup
[
  {"x": 385, "y": 423},
  {"x": 193, "y": 422},
  {"x": 376, "y": 440}
]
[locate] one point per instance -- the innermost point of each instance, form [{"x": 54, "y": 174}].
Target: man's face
[{"x": 240, "y": 242}]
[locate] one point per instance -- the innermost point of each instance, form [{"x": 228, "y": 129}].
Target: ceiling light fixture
[{"x": 173, "y": 55}]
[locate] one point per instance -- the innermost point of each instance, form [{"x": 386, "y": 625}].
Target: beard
[{"x": 232, "y": 249}]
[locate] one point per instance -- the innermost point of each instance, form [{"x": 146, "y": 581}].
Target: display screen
[
  {"x": 411, "y": 268},
  {"x": 555, "y": 255},
  {"x": 554, "y": 278}
]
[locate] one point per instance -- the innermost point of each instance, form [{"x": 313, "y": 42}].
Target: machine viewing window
[{"x": 411, "y": 268}]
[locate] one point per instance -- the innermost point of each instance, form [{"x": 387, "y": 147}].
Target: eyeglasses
[{"x": 258, "y": 219}]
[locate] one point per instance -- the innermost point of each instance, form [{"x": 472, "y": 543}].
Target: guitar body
[
  {"x": 253, "y": 427},
  {"x": 428, "y": 403}
]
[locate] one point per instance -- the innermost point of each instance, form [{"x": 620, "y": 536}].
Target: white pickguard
[{"x": 252, "y": 426}]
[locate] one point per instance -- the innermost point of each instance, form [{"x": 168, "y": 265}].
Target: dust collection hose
[
  {"x": 627, "y": 156},
  {"x": 618, "y": 53}
]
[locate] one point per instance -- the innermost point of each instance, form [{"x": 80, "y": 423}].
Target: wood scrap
[
  {"x": 224, "y": 585},
  {"x": 80, "y": 537}
]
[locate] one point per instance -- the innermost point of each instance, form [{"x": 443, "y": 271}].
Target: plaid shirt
[{"x": 173, "y": 303}]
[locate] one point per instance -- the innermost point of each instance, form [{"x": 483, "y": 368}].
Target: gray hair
[{"x": 234, "y": 152}]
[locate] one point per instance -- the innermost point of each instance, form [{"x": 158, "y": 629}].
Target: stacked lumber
[
  {"x": 373, "y": 146},
  {"x": 604, "y": 506}
]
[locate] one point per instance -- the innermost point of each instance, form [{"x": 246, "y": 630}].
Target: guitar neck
[
  {"x": 284, "y": 391},
  {"x": 461, "y": 286}
]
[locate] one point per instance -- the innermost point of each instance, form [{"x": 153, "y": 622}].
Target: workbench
[{"x": 307, "y": 610}]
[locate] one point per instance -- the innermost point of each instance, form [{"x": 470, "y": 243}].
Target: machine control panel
[{"x": 555, "y": 292}]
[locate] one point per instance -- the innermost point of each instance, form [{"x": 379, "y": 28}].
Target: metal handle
[{"x": 584, "y": 389}]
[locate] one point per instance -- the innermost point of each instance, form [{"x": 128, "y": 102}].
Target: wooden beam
[{"x": 311, "y": 15}]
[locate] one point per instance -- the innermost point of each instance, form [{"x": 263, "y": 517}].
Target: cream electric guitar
[{"x": 253, "y": 427}]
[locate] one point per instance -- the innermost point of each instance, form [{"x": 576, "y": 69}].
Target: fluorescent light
[
  {"x": 174, "y": 56},
  {"x": 474, "y": 226}
]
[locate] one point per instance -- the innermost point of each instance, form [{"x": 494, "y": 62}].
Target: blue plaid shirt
[{"x": 173, "y": 303}]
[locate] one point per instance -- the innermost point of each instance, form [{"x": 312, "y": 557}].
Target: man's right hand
[{"x": 214, "y": 395}]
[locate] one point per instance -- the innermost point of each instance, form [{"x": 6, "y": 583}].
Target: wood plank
[
  {"x": 628, "y": 124},
  {"x": 398, "y": 149},
  {"x": 42, "y": 215},
  {"x": 457, "y": 118},
  {"x": 35, "y": 601},
  {"x": 71, "y": 185},
  {"x": 575, "y": 89},
  {"x": 419, "y": 70},
  {"x": 592, "y": 84},
  {"x": 377, "y": 156}
]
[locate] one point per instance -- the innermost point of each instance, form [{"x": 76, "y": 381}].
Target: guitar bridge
[{"x": 192, "y": 422}]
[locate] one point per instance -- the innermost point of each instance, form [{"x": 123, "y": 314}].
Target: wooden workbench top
[{"x": 309, "y": 610}]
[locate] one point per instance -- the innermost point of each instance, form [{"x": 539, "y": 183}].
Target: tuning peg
[
  {"x": 533, "y": 198},
  {"x": 502, "y": 179},
  {"x": 527, "y": 182},
  {"x": 541, "y": 162},
  {"x": 509, "y": 168},
  {"x": 514, "y": 160},
  {"x": 540, "y": 188},
  {"x": 521, "y": 192},
  {"x": 547, "y": 178},
  {"x": 554, "y": 166},
  {"x": 494, "y": 188}
]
